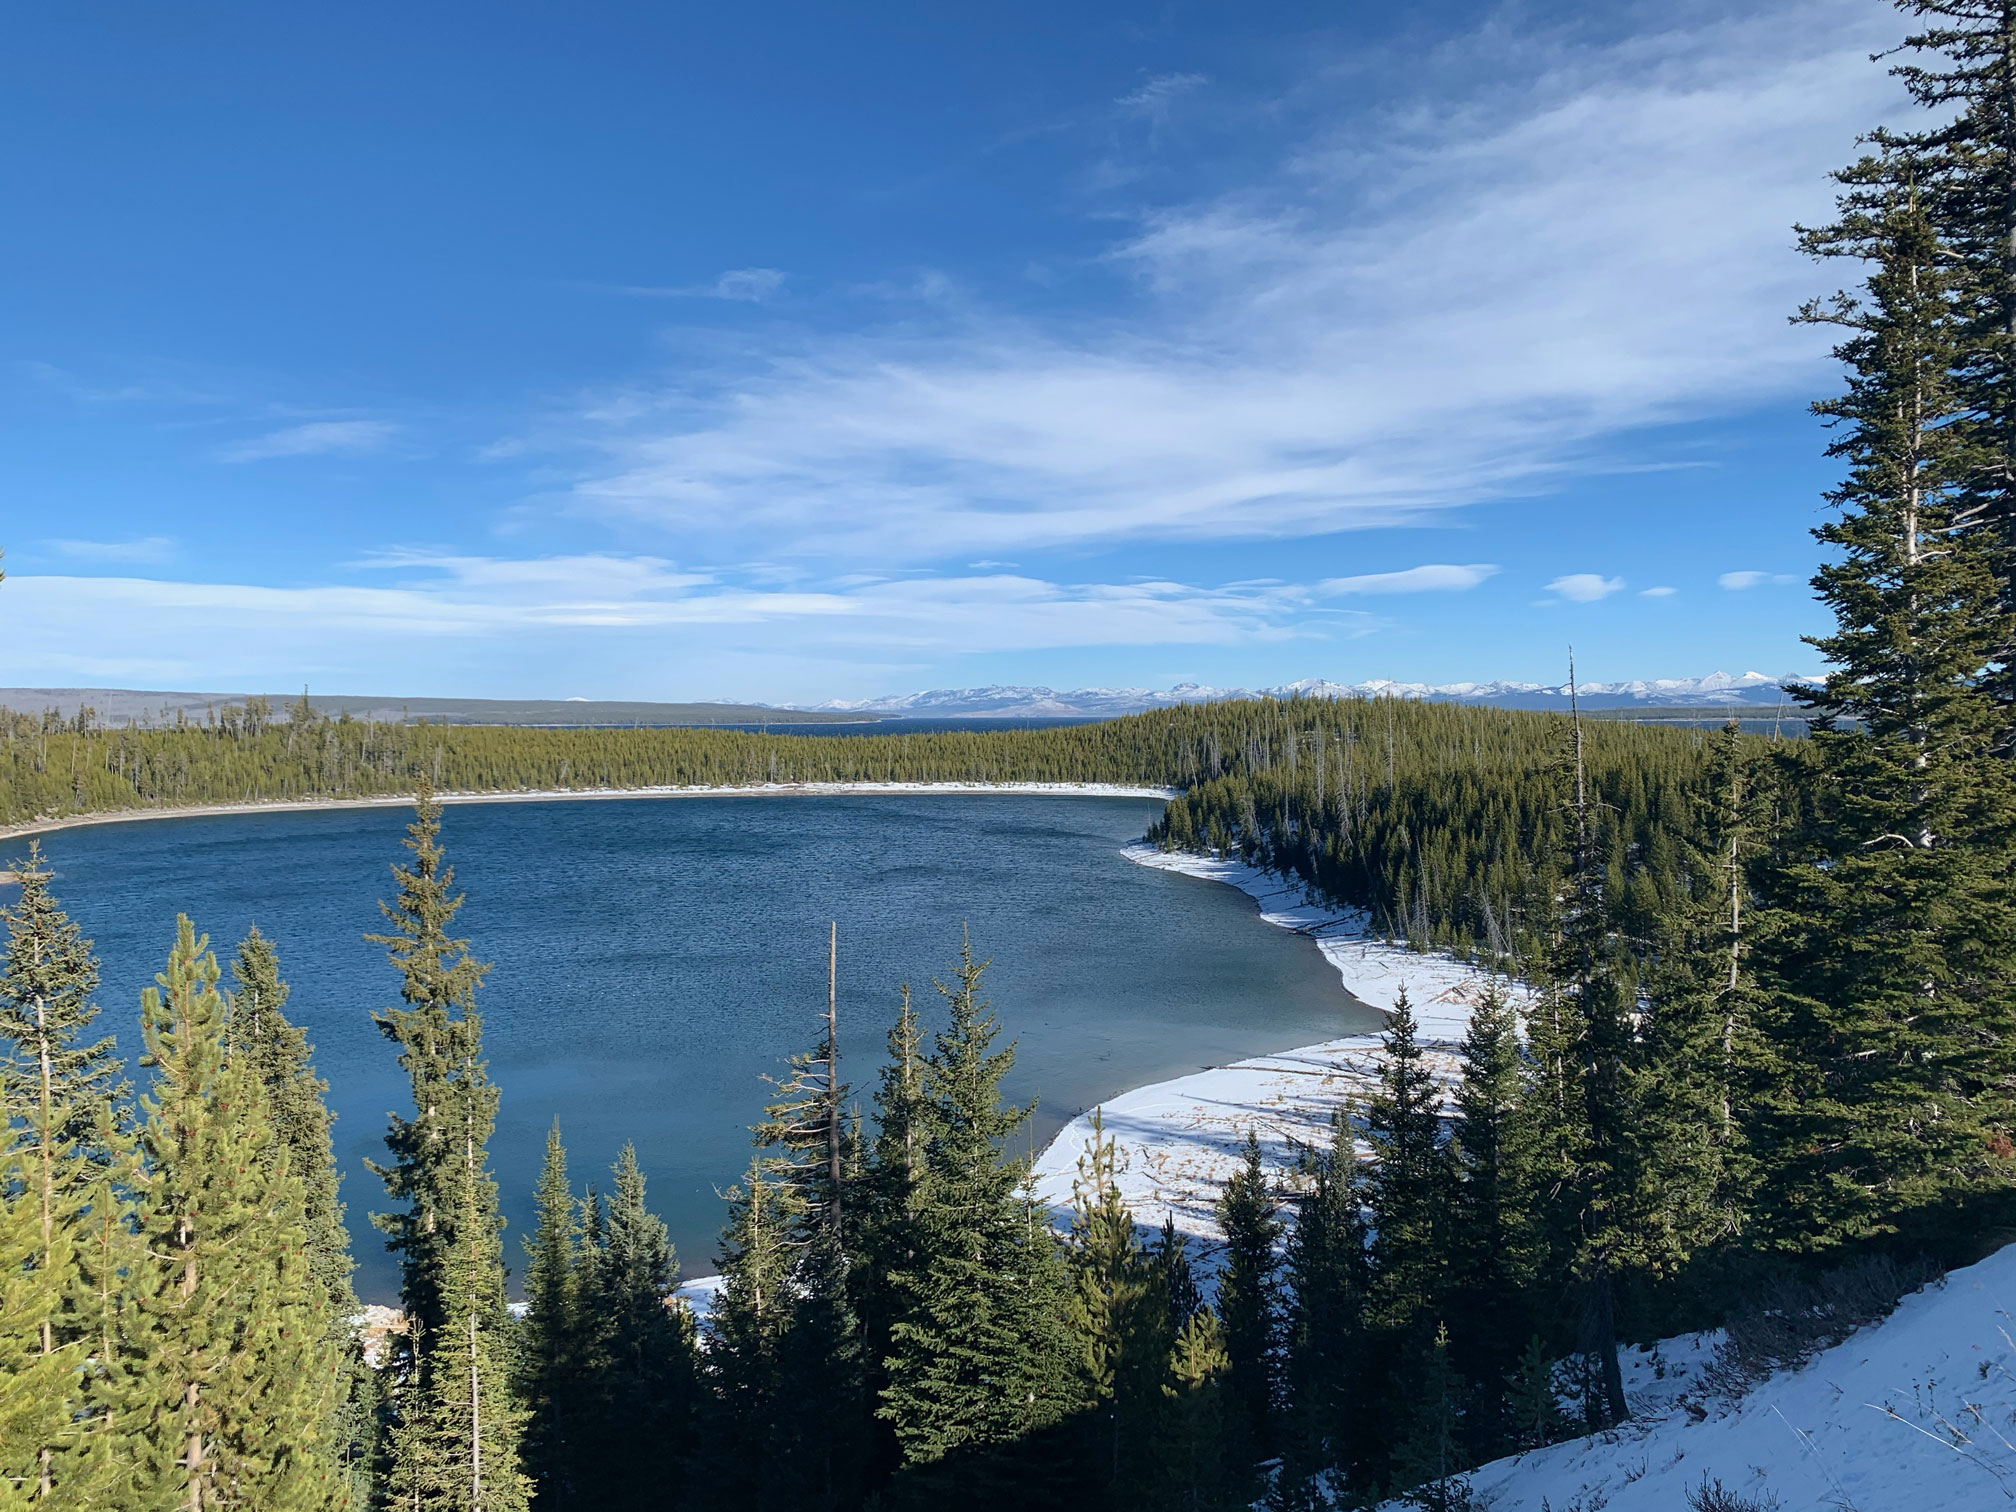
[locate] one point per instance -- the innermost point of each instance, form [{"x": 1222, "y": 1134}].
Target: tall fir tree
[
  {"x": 65, "y": 1154},
  {"x": 752, "y": 1312},
  {"x": 454, "y": 1442},
  {"x": 1249, "y": 1309},
  {"x": 637, "y": 1443},
  {"x": 1120, "y": 1314},
  {"x": 886, "y": 1215},
  {"x": 1330, "y": 1422},
  {"x": 820, "y": 1449},
  {"x": 232, "y": 1398},
  {"x": 1893, "y": 945},
  {"x": 979, "y": 1358},
  {"x": 277, "y": 1053},
  {"x": 554, "y": 1336},
  {"x": 1489, "y": 1242}
]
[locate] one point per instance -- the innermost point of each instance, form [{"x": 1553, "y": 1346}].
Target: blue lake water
[{"x": 654, "y": 958}]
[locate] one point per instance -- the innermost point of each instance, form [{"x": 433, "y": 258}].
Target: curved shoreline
[
  {"x": 562, "y": 795},
  {"x": 1176, "y": 1142}
]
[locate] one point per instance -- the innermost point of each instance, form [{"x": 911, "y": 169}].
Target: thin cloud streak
[
  {"x": 313, "y": 439},
  {"x": 1434, "y": 578},
  {"x": 1365, "y": 338}
]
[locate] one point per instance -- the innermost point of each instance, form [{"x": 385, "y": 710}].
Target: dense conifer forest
[{"x": 1753, "y": 1058}]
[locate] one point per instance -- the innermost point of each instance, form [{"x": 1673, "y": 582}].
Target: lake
[{"x": 654, "y": 958}]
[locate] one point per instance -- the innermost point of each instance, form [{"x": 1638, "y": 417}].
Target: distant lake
[{"x": 654, "y": 958}]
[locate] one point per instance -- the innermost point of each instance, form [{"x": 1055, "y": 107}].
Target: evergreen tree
[
  {"x": 979, "y": 1357},
  {"x": 641, "y": 1387},
  {"x": 1249, "y": 1307},
  {"x": 1120, "y": 1314},
  {"x": 1894, "y": 945},
  {"x": 751, "y": 1314},
  {"x": 277, "y": 1054},
  {"x": 1328, "y": 1426},
  {"x": 553, "y": 1335},
  {"x": 1408, "y": 1187},
  {"x": 820, "y": 1447},
  {"x": 238, "y": 1372},
  {"x": 886, "y": 1216},
  {"x": 58, "y": 1090},
  {"x": 455, "y": 1438},
  {"x": 1488, "y": 1242}
]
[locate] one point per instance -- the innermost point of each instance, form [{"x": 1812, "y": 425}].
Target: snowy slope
[
  {"x": 1176, "y": 1142},
  {"x": 1916, "y": 1413}
]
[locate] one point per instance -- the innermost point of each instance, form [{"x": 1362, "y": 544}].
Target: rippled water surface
[{"x": 654, "y": 958}]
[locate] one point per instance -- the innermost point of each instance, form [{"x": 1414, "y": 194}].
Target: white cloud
[
  {"x": 1585, "y": 587},
  {"x": 1154, "y": 95},
  {"x": 1736, "y": 582},
  {"x": 145, "y": 549},
  {"x": 753, "y": 285},
  {"x": 1660, "y": 592},
  {"x": 313, "y": 439},
  {"x": 1435, "y": 578},
  {"x": 1406, "y": 315},
  {"x": 523, "y": 607}
]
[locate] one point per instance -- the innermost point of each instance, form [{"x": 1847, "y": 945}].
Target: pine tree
[
  {"x": 277, "y": 1054},
  {"x": 1120, "y": 1314},
  {"x": 1895, "y": 933},
  {"x": 1430, "y": 1453},
  {"x": 554, "y": 1335},
  {"x": 751, "y": 1314},
  {"x": 886, "y": 1215},
  {"x": 979, "y": 1357},
  {"x": 454, "y": 1443},
  {"x": 1488, "y": 1239},
  {"x": 821, "y": 1444},
  {"x": 1408, "y": 1188},
  {"x": 1249, "y": 1306},
  {"x": 58, "y": 1090},
  {"x": 1327, "y": 1282},
  {"x": 642, "y": 1375},
  {"x": 237, "y": 1374}
]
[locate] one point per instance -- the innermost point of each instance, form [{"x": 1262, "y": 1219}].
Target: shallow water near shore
[{"x": 654, "y": 958}]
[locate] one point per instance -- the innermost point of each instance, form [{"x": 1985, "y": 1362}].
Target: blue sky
[{"x": 796, "y": 351}]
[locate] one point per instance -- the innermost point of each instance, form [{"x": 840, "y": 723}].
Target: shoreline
[
  {"x": 562, "y": 795},
  {"x": 1176, "y": 1142}
]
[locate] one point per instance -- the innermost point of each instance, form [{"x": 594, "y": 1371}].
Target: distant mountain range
[{"x": 1751, "y": 690}]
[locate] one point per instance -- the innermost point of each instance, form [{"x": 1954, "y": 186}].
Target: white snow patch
[
  {"x": 1177, "y": 1142},
  {"x": 1915, "y": 1412},
  {"x": 698, "y": 1296}
]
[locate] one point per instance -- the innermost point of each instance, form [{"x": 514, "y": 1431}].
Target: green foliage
[
  {"x": 456, "y": 1424},
  {"x": 1249, "y": 1306},
  {"x": 979, "y": 1355},
  {"x": 233, "y": 1375},
  {"x": 58, "y": 1087}
]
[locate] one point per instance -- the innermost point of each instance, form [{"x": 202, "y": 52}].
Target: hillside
[{"x": 1916, "y": 1411}]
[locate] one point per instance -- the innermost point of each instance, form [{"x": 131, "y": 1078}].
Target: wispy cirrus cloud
[
  {"x": 316, "y": 438},
  {"x": 1737, "y": 582},
  {"x": 145, "y": 549},
  {"x": 447, "y": 599},
  {"x": 1433, "y": 578},
  {"x": 750, "y": 285},
  {"x": 1478, "y": 308}
]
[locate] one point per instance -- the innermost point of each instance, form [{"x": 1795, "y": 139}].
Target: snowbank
[
  {"x": 1177, "y": 1142},
  {"x": 1915, "y": 1412}
]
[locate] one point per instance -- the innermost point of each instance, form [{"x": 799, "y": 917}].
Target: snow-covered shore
[
  {"x": 1915, "y": 1412},
  {"x": 557, "y": 795},
  {"x": 1176, "y": 1142}
]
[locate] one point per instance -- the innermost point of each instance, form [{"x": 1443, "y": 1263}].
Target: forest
[{"x": 1753, "y": 1063}]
